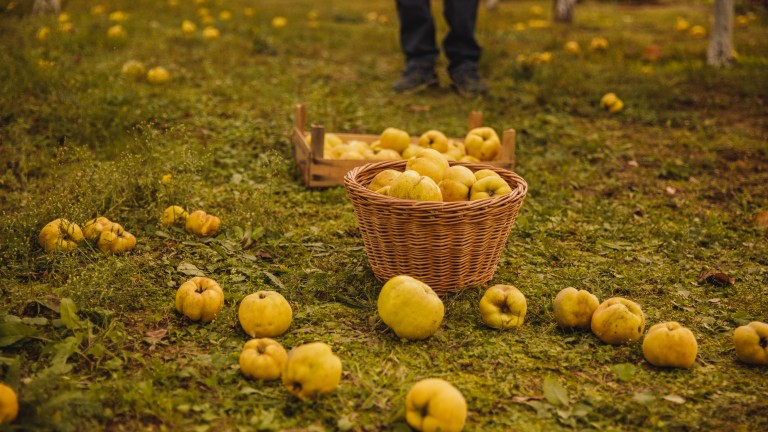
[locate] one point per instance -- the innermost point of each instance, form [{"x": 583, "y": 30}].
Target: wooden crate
[{"x": 318, "y": 172}]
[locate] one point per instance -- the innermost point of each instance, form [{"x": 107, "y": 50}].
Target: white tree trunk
[
  {"x": 42, "y": 7},
  {"x": 720, "y": 51},
  {"x": 564, "y": 10}
]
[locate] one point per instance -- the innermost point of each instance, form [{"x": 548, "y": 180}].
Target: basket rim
[{"x": 353, "y": 185}]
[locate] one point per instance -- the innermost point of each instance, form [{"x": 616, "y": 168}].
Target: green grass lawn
[{"x": 635, "y": 204}]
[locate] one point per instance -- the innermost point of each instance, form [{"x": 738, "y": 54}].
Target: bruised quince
[
  {"x": 116, "y": 240},
  {"x": 200, "y": 299},
  {"x": 173, "y": 215},
  {"x": 94, "y": 227},
  {"x": 201, "y": 223},
  {"x": 60, "y": 235}
]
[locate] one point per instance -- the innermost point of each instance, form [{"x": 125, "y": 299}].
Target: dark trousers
[{"x": 417, "y": 32}]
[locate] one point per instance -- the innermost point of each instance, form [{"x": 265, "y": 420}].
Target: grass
[{"x": 635, "y": 204}]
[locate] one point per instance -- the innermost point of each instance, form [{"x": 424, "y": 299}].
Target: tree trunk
[
  {"x": 564, "y": 10},
  {"x": 720, "y": 51},
  {"x": 42, "y": 7}
]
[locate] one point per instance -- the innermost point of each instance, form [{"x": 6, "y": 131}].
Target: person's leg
[
  {"x": 417, "y": 40},
  {"x": 417, "y": 31},
  {"x": 461, "y": 47},
  {"x": 460, "y": 44}
]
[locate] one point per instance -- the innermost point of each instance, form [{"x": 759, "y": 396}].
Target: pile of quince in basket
[{"x": 428, "y": 175}]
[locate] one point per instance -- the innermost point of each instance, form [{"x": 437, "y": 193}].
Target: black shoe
[
  {"x": 466, "y": 81},
  {"x": 416, "y": 78}
]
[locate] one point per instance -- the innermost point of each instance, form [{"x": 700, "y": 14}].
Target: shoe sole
[
  {"x": 467, "y": 94},
  {"x": 419, "y": 88}
]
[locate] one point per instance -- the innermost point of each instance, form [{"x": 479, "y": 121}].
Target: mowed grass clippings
[{"x": 639, "y": 204}]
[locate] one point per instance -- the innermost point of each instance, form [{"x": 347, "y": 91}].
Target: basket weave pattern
[{"x": 447, "y": 245}]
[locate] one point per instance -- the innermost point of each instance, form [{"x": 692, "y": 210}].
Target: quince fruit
[
  {"x": 456, "y": 183},
  {"x": 133, "y": 69},
  {"x": 598, "y": 44},
  {"x": 751, "y": 342},
  {"x": 681, "y": 24},
  {"x": 173, "y": 215},
  {"x": 456, "y": 150},
  {"x": 481, "y": 174},
  {"x": 94, "y": 227},
  {"x": 670, "y": 345},
  {"x": 115, "y": 239},
  {"x": 435, "y": 140},
  {"x": 311, "y": 369},
  {"x": 698, "y": 31},
  {"x": 263, "y": 359},
  {"x": 158, "y": 75},
  {"x": 201, "y": 223},
  {"x": 503, "y": 306},
  {"x": 211, "y": 33},
  {"x": 413, "y": 186},
  {"x": 433, "y": 405},
  {"x": 611, "y": 102},
  {"x": 188, "y": 27},
  {"x": 200, "y": 299},
  {"x": 60, "y": 235},
  {"x": 383, "y": 178},
  {"x": 618, "y": 320},
  {"x": 386, "y": 154},
  {"x": 116, "y": 32},
  {"x": 489, "y": 187},
  {"x": 395, "y": 139},
  {"x": 430, "y": 163},
  {"x": 482, "y": 143},
  {"x": 574, "y": 308},
  {"x": 411, "y": 151},
  {"x": 265, "y": 314},
  {"x": 410, "y": 307},
  {"x": 572, "y": 47},
  {"x": 9, "y": 404}
]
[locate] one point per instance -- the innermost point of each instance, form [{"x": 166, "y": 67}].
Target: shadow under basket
[{"x": 447, "y": 245}]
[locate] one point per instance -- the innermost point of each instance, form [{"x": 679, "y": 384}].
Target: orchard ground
[{"x": 634, "y": 204}]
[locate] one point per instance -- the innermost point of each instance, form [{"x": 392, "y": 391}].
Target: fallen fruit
[
  {"x": 670, "y": 344},
  {"x": 433, "y": 405},
  {"x": 617, "y": 321},
  {"x": 311, "y": 369},
  {"x": 263, "y": 359},
  {"x": 60, "y": 235},
  {"x": 200, "y": 299},
  {"x": 265, "y": 314}
]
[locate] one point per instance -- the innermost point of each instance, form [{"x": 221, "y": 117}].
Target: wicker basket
[{"x": 448, "y": 245}]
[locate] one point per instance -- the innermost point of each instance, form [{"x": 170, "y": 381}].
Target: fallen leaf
[
  {"x": 419, "y": 108},
  {"x": 674, "y": 399},
  {"x": 643, "y": 398},
  {"x": 152, "y": 337},
  {"x": 189, "y": 269},
  {"x": 263, "y": 254},
  {"x": 624, "y": 371},
  {"x": 555, "y": 393},
  {"x": 761, "y": 219},
  {"x": 521, "y": 399}
]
